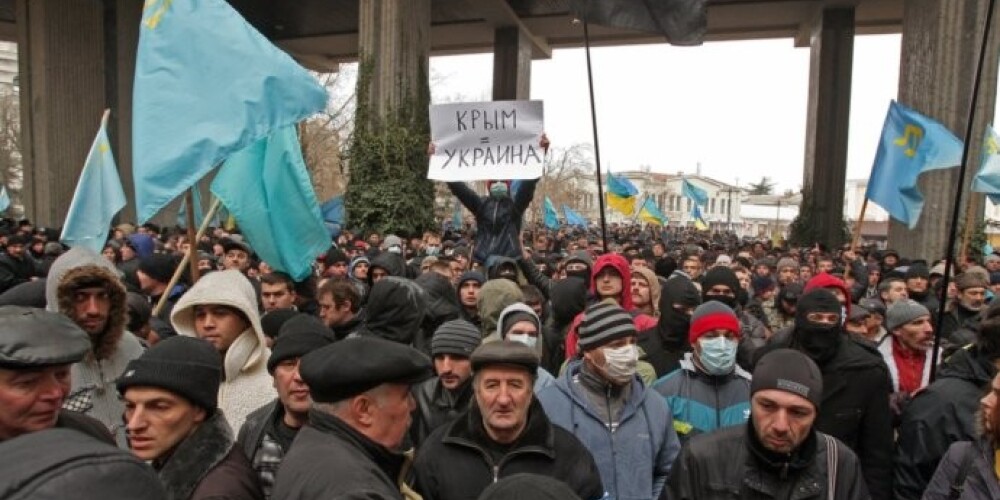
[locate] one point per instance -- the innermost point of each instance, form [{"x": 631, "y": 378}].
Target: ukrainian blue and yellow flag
[
  {"x": 621, "y": 194},
  {"x": 652, "y": 214},
  {"x": 697, "y": 219}
]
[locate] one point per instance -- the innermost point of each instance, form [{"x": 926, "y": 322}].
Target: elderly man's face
[
  {"x": 972, "y": 298},
  {"x": 30, "y": 399},
  {"x": 391, "y": 415},
  {"x": 781, "y": 419},
  {"x": 917, "y": 335},
  {"x": 503, "y": 394}
]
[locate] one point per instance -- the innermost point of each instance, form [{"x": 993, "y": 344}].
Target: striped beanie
[
  {"x": 712, "y": 315},
  {"x": 602, "y": 323},
  {"x": 458, "y": 337}
]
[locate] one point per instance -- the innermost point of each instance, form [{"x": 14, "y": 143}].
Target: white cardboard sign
[{"x": 486, "y": 140}]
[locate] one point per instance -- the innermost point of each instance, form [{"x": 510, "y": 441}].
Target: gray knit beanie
[
  {"x": 903, "y": 312},
  {"x": 457, "y": 336},
  {"x": 790, "y": 371},
  {"x": 602, "y": 323}
]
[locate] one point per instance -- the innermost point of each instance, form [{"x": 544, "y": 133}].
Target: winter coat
[
  {"x": 723, "y": 465},
  {"x": 855, "y": 408},
  {"x": 246, "y": 385},
  {"x": 207, "y": 465},
  {"x": 13, "y": 271},
  {"x": 498, "y": 221},
  {"x": 703, "y": 403},
  {"x": 93, "y": 390},
  {"x": 666, "y": 343},
  {"x": 980, "y": 479},
  {"x": 442, "y": 306},
  {"x": 395, "y": 311},
  {"x": 635, "y": 459},
  {"x": 569, "y": 298},
  {"x": 454, "y": 464},
  {"x": 436, "y": 406},
  {"x": 938, "y": 416},
  {"x": 251, "y": 438},
  {"x": 885, "y": 349},
  {"x": 494, "y": 297},
  {"x": 329, "y": 459},
  {"x": 393, "y": 264},
  {"x": 959, "y": 325}
]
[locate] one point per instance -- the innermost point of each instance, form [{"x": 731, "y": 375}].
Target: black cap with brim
[
  {"x": 35, "y": 338},
  {"x": 353, "y": 366},
  {"x": 505, "y": 352}
]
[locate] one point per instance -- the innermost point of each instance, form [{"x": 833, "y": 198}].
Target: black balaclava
[
  {"x": 569, "y": 298},
  {"x": 673, "y": 325},
  {"x": 721, "y": 275},
  {"x": 819, "y": 341},
  {"x": 583, "y": 274}
]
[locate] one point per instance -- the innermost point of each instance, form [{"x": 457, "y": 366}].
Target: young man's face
[
  {"x": 452, "y": 370},
  {"x": 292, "y": 391},
  {"x": 468, "y": 293},
  {"x": 91, "y": 309},
  {"x": 781, "y": 419},
  {"x": 157, "y": 420},
  {"x": 332, "y": 313},
  {"x": 276, "y": 296},
  {"x": 236, "y": 259},
  {"x": 218, "y": 324}
]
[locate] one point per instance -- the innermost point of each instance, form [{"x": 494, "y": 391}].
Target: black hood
[
  {"x": 968, "y": 364},
  {"x": 569, "y": 298},
  {"x": 442, "y": 301},
  {"x": 395, "y": 309},
  {"x": 494, "y": 264},
  {"x": 392, "y": 263},
  {"x": 673, "y": 325}
]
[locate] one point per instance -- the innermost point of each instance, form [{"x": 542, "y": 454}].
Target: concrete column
[
  {"x": 511, "y": 64},
  {"x": 127, "y": 15},
  {"x": 62, "y": 85},
  {"x": 395, "y": 36},
  {"x": 940, "y": 48},
  {"x": 830, "y": 66}
]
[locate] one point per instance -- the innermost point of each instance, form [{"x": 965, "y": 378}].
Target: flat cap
[
  {"x": 31, "y": 338},
  {"x": 352, "y": 366},
  {"x": 505, "y": 352}
]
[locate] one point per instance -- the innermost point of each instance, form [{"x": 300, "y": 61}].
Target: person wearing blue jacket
[
  {"x": 709, "y": 391},
  {"x": 600, "y": 399}
]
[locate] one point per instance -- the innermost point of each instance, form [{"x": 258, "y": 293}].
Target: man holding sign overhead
[{"x": 478, "y": 141}]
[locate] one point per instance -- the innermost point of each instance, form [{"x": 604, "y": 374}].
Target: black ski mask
[
  {"x": 673, "y": 324},
  {"x": 720, "y": 275},
  {"x": 819, "y": 341}
]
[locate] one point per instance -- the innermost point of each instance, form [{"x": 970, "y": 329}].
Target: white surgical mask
[
  {"x": 620, "y": 363},
  {"x": 718, "y": 355},
  {"x": 524, "y": 338}
]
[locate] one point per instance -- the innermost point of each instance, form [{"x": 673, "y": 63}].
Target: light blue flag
[
  {"x": 911, "y": 144},
  {"x": 198, "y": 213},
  {"x": 573, "y": 218},
  {"x": 551, "y": 217},
  {"x": 333, "y": 214},
  {"x": 98, "y": 196},
  {"x": 456, "y": 217},
  {"x": 4, "y": 199},
  {"x": 694, "y": 193},
  {"x": 267, "y": 189},
  {"x": 987, "y": 249},
  {"x": 207, "y": 84},
  {"x": 988, "y": 179}
]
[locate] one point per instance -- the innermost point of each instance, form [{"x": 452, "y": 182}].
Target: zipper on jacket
[
  {"x": 611, "y": 431},
  {"x": 718, "y": 413}
]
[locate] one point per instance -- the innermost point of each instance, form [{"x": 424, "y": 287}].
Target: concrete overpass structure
[{"x": 77, "y": 57}]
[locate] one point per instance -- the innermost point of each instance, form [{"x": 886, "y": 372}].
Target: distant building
[{"x": 8, "y": 66}]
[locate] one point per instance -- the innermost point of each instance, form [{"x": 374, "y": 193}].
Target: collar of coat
[
  {"x": 386, "y": 460},
  {"x": 196, "y": 456},
  {"x": 537, "y": 436}
]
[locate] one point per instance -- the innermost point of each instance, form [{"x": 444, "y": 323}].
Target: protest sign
[{"x": 486, "y": 140}]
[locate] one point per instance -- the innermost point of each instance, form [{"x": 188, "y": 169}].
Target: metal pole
[{"x": 597, "y": 147}]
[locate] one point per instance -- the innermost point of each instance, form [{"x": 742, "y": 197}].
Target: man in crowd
[
  {"x": 171, "y": 412},
  {"x": 626, "y": 426},
  {"x": 918, "y": 286},
  {"x": 16, "y": 266},
  {"x": 154, "y": 274},
  {"x": 779, "y": 453},
  {"x": 666, "y": 343},
  {"x": 359, "y": 418},
  {"x": 892, "y": 290},
  {"x": 469, "y": 284},
  {"x": 222, "y": 309},
  {"x": 236, "y": 254},
  {"x": 960, "y": 321},
  {"x": 277, "y": 291},
  {"x": 339, "y": 306},
  {"x": 38, "y": 347},
  {"x": 505, "y": 432},
  {"x": 85, "y": 287},
  {"x": 268, "y": 432},
  {"x": 441, "y": 399},
  {"x": 907, "y": 354},
  {"x": 709, "y": 391}
]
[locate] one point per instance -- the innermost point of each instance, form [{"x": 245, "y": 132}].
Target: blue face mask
[
  {"x": 718, "y": 355},
  {"x": 498, "y": 189}
]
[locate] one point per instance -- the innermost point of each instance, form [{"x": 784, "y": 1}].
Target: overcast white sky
[{"x": 738, "y": 108}]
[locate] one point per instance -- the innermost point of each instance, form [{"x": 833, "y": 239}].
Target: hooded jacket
[
  {"x": 442, "y": 305},
  {"x": 393, "y": 264},
  {"x": 246, "y": 385},
  {"x": 569, "y": 298},
  {"x": 494, "y": 297},
  {"x": 395, "y": 311},
  {"x": 701, "y": 402},
  {"x": 543, "y": 378},
  {"x": 654, "y": 288},
  {"x": 941, "y": 414},
  {"x": 92, "y": 390},
  {"x": 498, "y": 221},
  {"x": 634, "y": 459},
  {"x": 666, "y": 343},
  {"x": 980, "y": 478}
]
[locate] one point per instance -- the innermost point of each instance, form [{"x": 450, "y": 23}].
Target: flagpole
[
  {"x": 187, "y": 256},
  {"x": 857, "y": 233},
  {"x": 957, "y": 205},
  {"x": 639, "y": 211},
  {"x": 597, "y": 147},
  {"x": 967, "y": 232},
  {"x": 192, "y": 242}
]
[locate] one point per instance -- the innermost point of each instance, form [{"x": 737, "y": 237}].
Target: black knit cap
[
  {"x": 272, "y": 321},
  {"x": 158, "y": 266},
  {"x": 526, "y": 485},
  {"x": 458, "y": 337},
  {"x": 720, "y": 275},
  {"x": 335, "y": 256},
  {"x": 352, "y": 366},
  {"x": 187, "y": 366},
  {"x": 790, "y": 371},
  {"x": 505, "y": 352},
  {"x": 604, "y": 322},
  {"x": 295, "y": 344}
]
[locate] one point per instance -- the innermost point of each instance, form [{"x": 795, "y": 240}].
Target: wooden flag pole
[
  {"x": 967, "y": 232},
  {"x": 856, "y": 237},
  {"x": 187, "y": 257},
  {"x": 192, "y": 242}
]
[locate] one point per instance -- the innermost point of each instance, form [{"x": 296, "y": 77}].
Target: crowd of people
[{"x": 495, "y": 361}]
